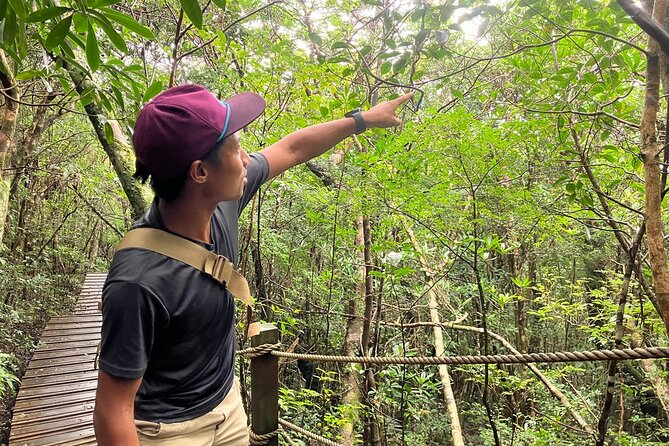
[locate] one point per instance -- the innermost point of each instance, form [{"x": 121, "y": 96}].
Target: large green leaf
[
  {"x": 19, "y": 8},
  {"x": 28, "y": 74},
  {"x": 3, "y": 9},
  {"x": 9, "y": 30},
  {"x": 220, "y": 3},
  {"x": 128, "y": 23},
  {"x": 21, "y": 41},
  {"x": 42, "y": 15},
  {"x": 58, "y": 33},
  {"x": 153, "y": 90},
  {"x": 102, "y": 3},
  {"x": 92, "y": 49},
  {"x": 109, "y": 30},
  {"x": 193, "y": 11}
]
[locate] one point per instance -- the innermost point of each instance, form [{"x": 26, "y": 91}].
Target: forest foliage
[{"x": 509, "y": 210}]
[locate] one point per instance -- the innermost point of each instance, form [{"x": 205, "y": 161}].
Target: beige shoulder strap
[{"x": 170, "y": 245}]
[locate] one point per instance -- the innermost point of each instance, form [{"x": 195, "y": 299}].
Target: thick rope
[
  {"x": 254, "y": 352},
  {"x": 262, "y": 439},
  {"x": 592, "y": 355},
  {"x": 306, "y": 433}
]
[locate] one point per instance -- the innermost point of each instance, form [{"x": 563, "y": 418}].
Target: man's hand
[{"x": 384, "y": 114}]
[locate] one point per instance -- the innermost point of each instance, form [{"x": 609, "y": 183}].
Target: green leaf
[
  {"x": 315, "y": 38},
  {"x": 58, "y": 33},
  {"x": 193, "y": 11},
  {"x": 22, "y": 41},
  {"x": 10, "y": 28},
  {"x": 19, "y": 8},
  {"x": 109, "y": 132},
  {"x": 109, "y": 30},
  {"x": 385, "y": 67},
  {"x": 372, "y": 2},
  {"x": 153, "y": 90},
  {"x": 221, "y": 3},
  {"x": 339, "y": 45},
  {"x": 92, "y": 49},
  {"x": 79, "y": 23},
  {"x": 128, "y": 23},
  {"x": 42, "y": 15},
  {"x": 3, "y": 9},
  {"x": 102, "y": 3},
  {"x": 28, "y": 74},
  {"x": 421, "y": 36}
]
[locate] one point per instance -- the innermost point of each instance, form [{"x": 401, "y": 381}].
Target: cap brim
[{"x": 244, "y": 109}]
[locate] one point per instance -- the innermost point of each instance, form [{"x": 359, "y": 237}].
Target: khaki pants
[{"x": 224, "y": 425}]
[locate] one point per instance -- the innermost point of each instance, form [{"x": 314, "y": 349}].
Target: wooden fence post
[{"x": 265, "y": 385}]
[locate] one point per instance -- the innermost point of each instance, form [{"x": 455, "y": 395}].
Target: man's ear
[{"x": 197, "y": 172}]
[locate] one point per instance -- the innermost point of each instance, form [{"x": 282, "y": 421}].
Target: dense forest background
[{"x": 518, "y": 209}]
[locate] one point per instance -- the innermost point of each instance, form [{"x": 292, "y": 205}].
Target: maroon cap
[{"x": 182, "y": 124}]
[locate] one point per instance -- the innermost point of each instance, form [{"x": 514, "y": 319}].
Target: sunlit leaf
[
  {"x": 193, "y": 11},
  {"x": 28, "y": 74},
  {"x": 92, "y": 49},
  {"x": 114, "y": 37},
  {"x": 58, "y": 33},
  {"x": 42, "y": 15},
  {"x": 19, "y": 8},
  {"x": 128, "y": 23},
  {"x": 153, "y": 90}
]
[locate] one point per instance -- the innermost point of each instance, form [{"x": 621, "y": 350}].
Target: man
[{"x": 168, "y": 341}]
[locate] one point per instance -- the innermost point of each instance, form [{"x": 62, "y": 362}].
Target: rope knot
[
  {"x": 254, "y": 352},
  {"x": 262, "y": 439}
]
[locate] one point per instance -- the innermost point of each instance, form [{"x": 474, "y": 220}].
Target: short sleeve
[
  {"x": 132, "y": 317},
  {"x": 256, "y": 173}
]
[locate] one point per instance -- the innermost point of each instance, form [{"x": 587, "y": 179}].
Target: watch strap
[{"x": 360, "y": 125}]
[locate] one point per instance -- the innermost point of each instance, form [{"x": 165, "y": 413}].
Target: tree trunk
[
  {"x": 10, "y": 112},
  {"x": 650, "y": 150},
  {"x": 352, "y": 343},
  {"x": 449, "y": 398},
  {"x": 118, "y": 150}
]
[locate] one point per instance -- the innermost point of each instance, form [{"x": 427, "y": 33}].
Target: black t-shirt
[{"x": 172, "y": 325}]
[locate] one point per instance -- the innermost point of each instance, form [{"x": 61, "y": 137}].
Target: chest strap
[{"x": 216, "y": 266}]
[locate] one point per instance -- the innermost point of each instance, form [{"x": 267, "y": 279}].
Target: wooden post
[{"x": 265, "y": 385}]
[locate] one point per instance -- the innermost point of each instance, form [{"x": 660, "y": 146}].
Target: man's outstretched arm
[
  {"x": 113, "y": 416},
  {"x": 308, "y": 143}
]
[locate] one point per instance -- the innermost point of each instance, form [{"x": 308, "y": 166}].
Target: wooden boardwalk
[{"x": 55, "y": 402}]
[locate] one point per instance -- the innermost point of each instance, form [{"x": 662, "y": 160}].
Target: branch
[{"x": 645, "y": 22}]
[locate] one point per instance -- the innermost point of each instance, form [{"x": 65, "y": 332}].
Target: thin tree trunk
[
  {"x": 352, "y": 343},
  {"x": 118, "y": 150},
  {"x": 449, "y": 398},
  {"x": 10, "y": 112},
  {"x": 650, "y": 150}
]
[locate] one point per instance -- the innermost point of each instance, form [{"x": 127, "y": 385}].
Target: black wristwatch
[{"x": 360, "y": 125}]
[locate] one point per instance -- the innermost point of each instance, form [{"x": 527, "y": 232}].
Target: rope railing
[
  {"x": 574, "y": 356},
  {"x": 268, "y": 347}
]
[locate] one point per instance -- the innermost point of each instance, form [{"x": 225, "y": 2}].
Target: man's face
[{"x": 229, "y": 175}]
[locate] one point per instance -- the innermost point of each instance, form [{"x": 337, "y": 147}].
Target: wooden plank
[
  {"x": 44, "y": 427},
  {"x": 63, "y": 361},
  {"x": 54, "y": 401},
  {"x": 64, "y": 436},
  {"x": 68, "y": 343},
  {"x": 65, "y": 352},
  {"x": 49, "y": 379},
  {"x": 95, "y": 335},
  {"x": 25, "y": 418},
  {"x": 35, "y": 372},
  {"x": 39, "y": 392}
]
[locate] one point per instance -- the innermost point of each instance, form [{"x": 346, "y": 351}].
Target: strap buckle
[{"x": 219, "y": 267}]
